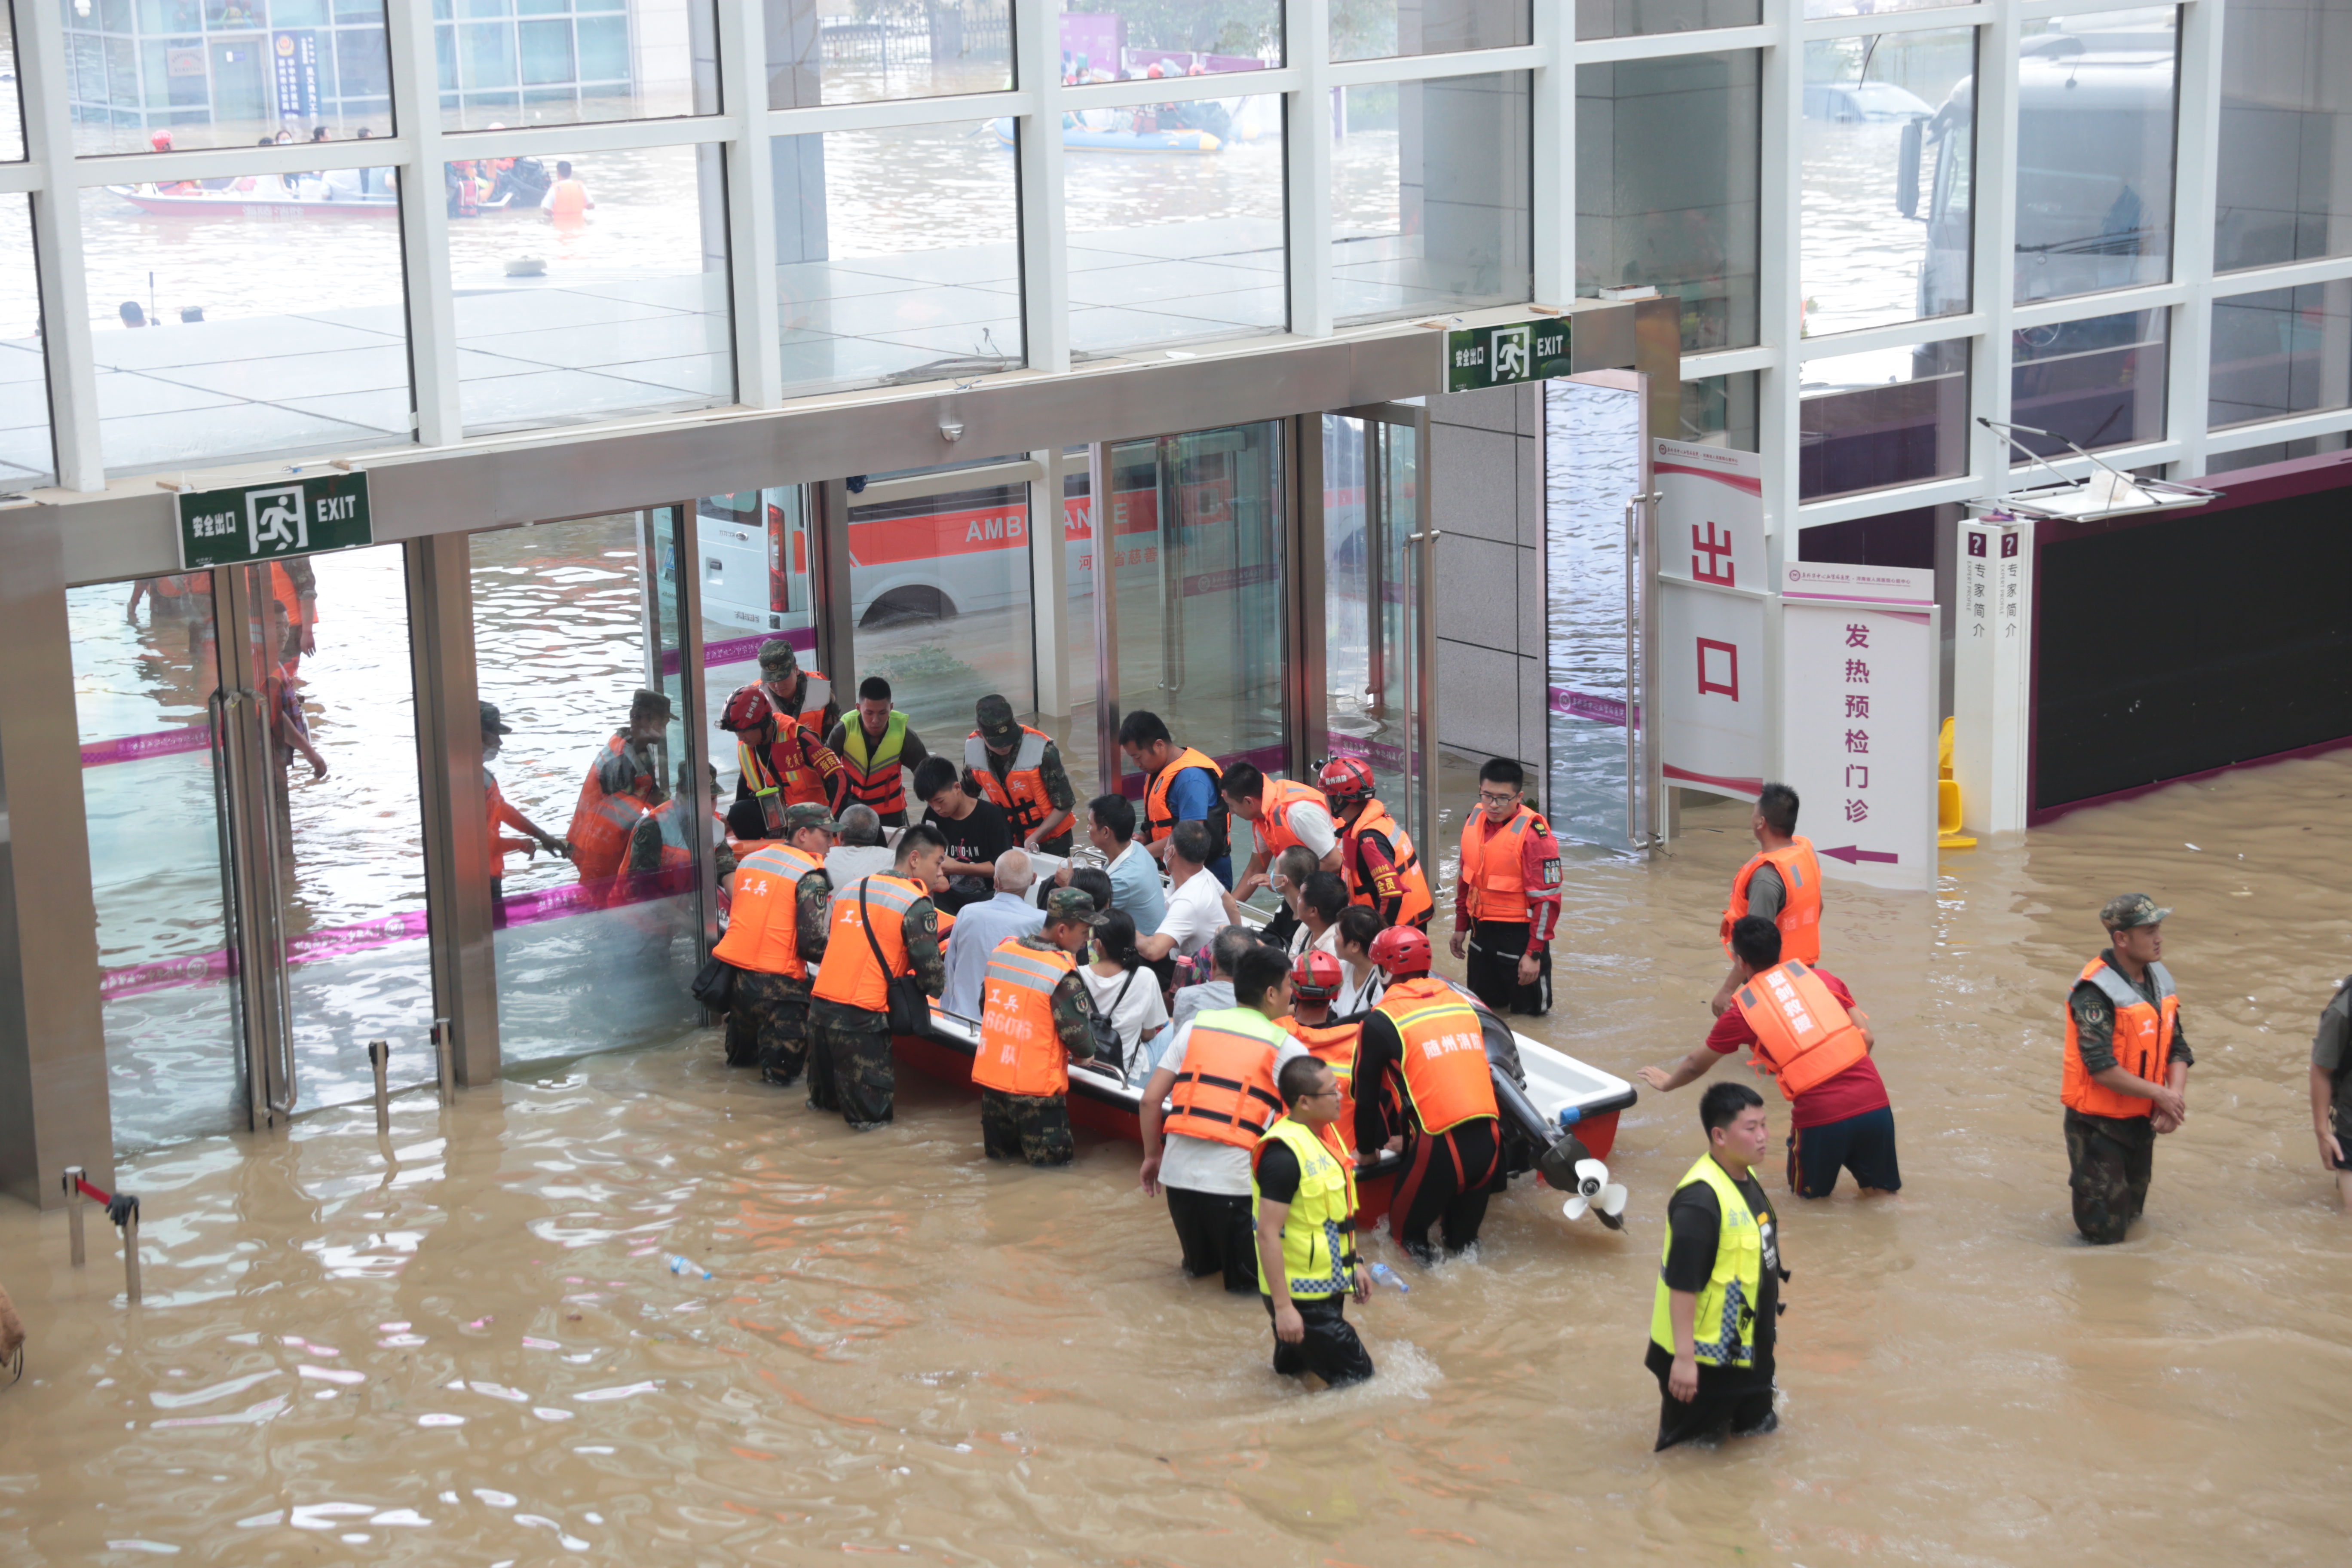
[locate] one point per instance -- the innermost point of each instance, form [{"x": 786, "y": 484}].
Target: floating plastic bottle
[
  {"x": 1388, "y": 1276},
  {"x": 687, "y": 1266}
]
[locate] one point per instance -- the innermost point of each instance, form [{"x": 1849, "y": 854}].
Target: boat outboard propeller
[{"x": 1596, "y": 1195}]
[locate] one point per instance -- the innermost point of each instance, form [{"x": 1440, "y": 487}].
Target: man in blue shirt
[
  {"x": 980, "y": 927},
  {"x": 1134, "y": 874}
]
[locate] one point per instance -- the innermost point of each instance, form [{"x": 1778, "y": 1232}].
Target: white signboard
[
  {"x": 1712, "y": 677},
  {"x": 1858, "y": 718},
  {"x": 1988, "y": 673}
]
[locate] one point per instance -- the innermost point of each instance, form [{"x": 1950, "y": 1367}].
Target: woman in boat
[
  {"x": 1363, "y": 981},
  {"x": 1126, "y": 992}
]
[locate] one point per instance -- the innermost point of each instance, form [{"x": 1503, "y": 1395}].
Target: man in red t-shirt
[{"x": 1845, "y": 1121}]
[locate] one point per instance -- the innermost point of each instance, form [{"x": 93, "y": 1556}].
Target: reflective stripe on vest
[
  {"x": 1274, "y": 834},
  {"x": 1021, "y": 1052},
  {"x": 1333, "y": 1044},
  {"x": 1158, "y": 820},
  {"x": 1022, "y": 791},
  {"x": 1319, "y": 1234},
  {"x": 1492, "y": 867},
  {"x": 1224, "y": 1092},
  {"x": 875, "y": 780},
  {"x": 1799, "y": 919},
  {"x": 848, "y": 975},
  {"x": 1447, "y": 1079},
  {"x": 1416, "y": 905},
  {"x": 2143, "y": 1041},
  {"x": 762, "y": 924},
  {"x": 1804, "y": 1037},
  {"x": 1724, "y": 1330}
]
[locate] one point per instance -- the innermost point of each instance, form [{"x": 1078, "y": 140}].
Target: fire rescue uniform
[
  {"x": 1027, "y": 780},
  {"x": 1036, "y": 1018},
  {"x": 1192, "y": 776},
  {"x": 1317, "y": 1177},
  {"x": 1225, "y": 1061},
  {"x": 850, "y": 1067},
  {"x": 1784, "y": 885},
  {"x": 2111, "y": 1137},
  {"x": 1797, "y": 1018},
  {"x": 872, "y": 763},
  {"x": 775, "y": 928},
  {"x": 1426, "y": 1037},
  {"x": 1722, "y": 1245},
  {"x": 1334, "y": 1045},
  {"x": 1508, "y": 900},
  {"x": 623, "y": 784},
  {"x": 1383, "y": 870}
]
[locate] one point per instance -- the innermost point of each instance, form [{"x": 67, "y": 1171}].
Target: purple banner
[
  {"x": 1585, "y": 705},
  {"x": 741, "y": 650},
  {"x": 1380, "y": 753},
  {"x": 161, "y": 744}
]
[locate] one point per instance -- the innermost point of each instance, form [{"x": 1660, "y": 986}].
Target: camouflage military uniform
[
  {"x": 858, "y": 1077},
  {"x": 1036, "y": 1127},
  {"x": 2111, "y": 1158},
  {"x": 997, "y": 711}
]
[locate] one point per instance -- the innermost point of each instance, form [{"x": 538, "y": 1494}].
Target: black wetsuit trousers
[
  {"x": 1445, "y": 1180},
  {"x": 1330, "y": 1350},
  {"x": 1217, "y": 1235}
]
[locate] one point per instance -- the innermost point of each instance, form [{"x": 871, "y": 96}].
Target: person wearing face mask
[{"x": 503, "y": 815}]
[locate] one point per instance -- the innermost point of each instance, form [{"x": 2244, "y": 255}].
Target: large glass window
[
  {"x": 1114, "y": 41},
  {"x": 1181, "y": 243},
  {"x": 1720, "y": 410},
  {"x": 820, "y": 52},
  {"x": 227, "y": 321},
  {"x": 1888, "y": 192},
  {"x": 1429, "y": 196},
  {"x": 755, "y": 556},
  {"x": 1376, "y": 29},
  {"x": 25, "y": 455},
  {"x": 605, "y": 296},
  {"x": 897, "y": 253},
  {"x": 2284, "y": 351},
  {"x": 1895, "y": 416},
  {"x": 1370, "y": 501},
  {"x": 179, "y": 74},
  {"x": 2095, "y": 127},
  {"x": 2098, "y": 382},
  {"x": 563, "y": 62},
  {"x": 594, "y": 951},
  {"x": 1666, "y": 186},
  {"x": 2284, "y": 167}
]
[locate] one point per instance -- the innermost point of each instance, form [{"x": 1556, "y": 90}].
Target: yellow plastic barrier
[{"x": 1948, "y": 797}]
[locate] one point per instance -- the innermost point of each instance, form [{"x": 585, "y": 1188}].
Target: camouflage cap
[
  {"x": 1069, "y": 904},
  {"x": 777, "y": 658},
  {"x": 2128, "y": 909},
  {"x": 808, "y": 814},
  {"x": 491, "y": 723},
  {"x": 996, "y": 720},
  {"x": 649, "y": 704}
]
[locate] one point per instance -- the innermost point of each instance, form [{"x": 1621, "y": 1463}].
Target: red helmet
[
  {"x": 1317, "y": 977},
  {"x": 1402, "y": 950},
  {"x": 748, "y": 708},
  {"x": 1346, "y": 779}
]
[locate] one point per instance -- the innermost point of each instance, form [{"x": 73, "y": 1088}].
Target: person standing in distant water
[
  {"x": 2331, "y": 1091},
  {"x": 503, "y": 815},
  {"x": 1783, "y": 882},
  {"x": 566, "y": 203},
  {"x": 132, "y": 316},
  {"x": 2125, "y": 1077}
]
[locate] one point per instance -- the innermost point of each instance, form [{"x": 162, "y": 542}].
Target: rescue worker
[
  {"x": 1303, "y": 1203},
  {"x": 1282, "y": 812},
  {"x": 780, "y": 898},
  {"x": 1783, "y": 882},
  {"x": 2126, "y": 1070},
  {"x": 567, "y": 202},
  {"x": 1020, "y": 768},
  {"x": 501, "y": 815},
  {"x": 1809, "y": 1035},
  {"x": 1217, "y": 1083},
  {"x": 1719, "y": 1276},
  {"x": 660, "y": 859},
  {"x": 2331, "y": 1091},
  {"x": 1315, "y": 982},
  {"x": 874, "y": 748},
  {"x": 1506, "y": 902},
  {"x": 1181, "y": 785},
  {"x": 1036, "y": 1018},
  {"x": 624, "y": 783},
  {"x": 1377, "y": 860},
  {"x": 780, "y": 721},
  {"x": 1427, "y": 1037},
  {"x": 850, "y": 1007}
]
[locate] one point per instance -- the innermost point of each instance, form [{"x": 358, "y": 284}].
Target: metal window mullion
[
  {"x": 1044, "y": 217},
  {"x": 2188, "y": 358},
  {"x": 1174, "y": 88},
  {"x": 1894, "y": 334},
  {"x": 2089, "y": 307},
  {"x": 1994, "y": 273},
  {"x": 425, "y": 228},
  {"x": 1306, "y": 149},
  {"x": 750, "y": 205},
  {"x": 888, "y": 113},
  {"x": 71, "y": 359},
  {"x": 2287, "y": 274},
  {"x": 1552, "y": 160},
  {"x": 2271, "y": 432},
  {"x": 1928, "y": 19},
  {"x": 1430, "y": 67},
  {"x": 1768, "y": 34},
  {"x": 1779, "y": 270}
]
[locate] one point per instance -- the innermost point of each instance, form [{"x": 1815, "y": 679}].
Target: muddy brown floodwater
[{"x": 462, "y": 1345}]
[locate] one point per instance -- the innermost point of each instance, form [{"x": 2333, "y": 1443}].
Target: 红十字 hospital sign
[
  {"x": 266, "y": 522},
  {"x": 1505, "y": 356}
]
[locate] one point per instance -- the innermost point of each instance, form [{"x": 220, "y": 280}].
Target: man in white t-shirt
[
  {"x": 1207, "y": 1179},
  {"x": 1224, "y": 952},
  {"x": 1198, "y": 905}
]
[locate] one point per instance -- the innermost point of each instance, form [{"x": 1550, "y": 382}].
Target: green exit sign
[
  {"x": 1505, "y": 356},
  {"x": 268, "y": 522}
]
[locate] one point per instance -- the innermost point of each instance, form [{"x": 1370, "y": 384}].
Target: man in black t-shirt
[{"x": 977, "y": 832}]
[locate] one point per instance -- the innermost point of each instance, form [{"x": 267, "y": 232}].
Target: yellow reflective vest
[
  {"x": 1319, "y": 1238},
  {"x": 1725, "y": 1327}
]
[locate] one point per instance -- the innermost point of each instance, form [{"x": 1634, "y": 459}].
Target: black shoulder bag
[
  {"x": 1110, "y": 1050},
  {"x": 909, "y": 1009},
  {"x": 714, "y": 984}
]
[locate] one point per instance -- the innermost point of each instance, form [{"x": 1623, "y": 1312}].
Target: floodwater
[{"x": 462, "y": 1344}]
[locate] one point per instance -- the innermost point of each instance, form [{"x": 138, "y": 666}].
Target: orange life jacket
[
  {"x": 1281, "y": 797},
  {"x": 1492, "y": 866},
  {"x": 1799, "y": 919},
  {"x": 567, "y": 201},
  {"x": 762, "y": 922},
  {"x": 499, "y": 814},
  {"x": 1021, "y": 1052},
  {"x": 2143, "y": 1041},
  {"x": 849, "y": 976},
  {"x": 1447, "y": 1079},
  {"x": 1225, "y": 1090},
  {"x": 1159, "y": 821},
  {"x": 1803, "y": 1036},
  {"x": 1417, "y": 906},
  {"x": 603, "y": 821},
  {"x": 675, "y": 872},
  {"x": 1022, "y": 791},
  {"x": 1333, "y": 1044}
]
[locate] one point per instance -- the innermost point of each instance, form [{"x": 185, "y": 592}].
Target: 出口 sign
[
  {"x": 268, "y": 522},
  {"x": 1478, "y": 357}
]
